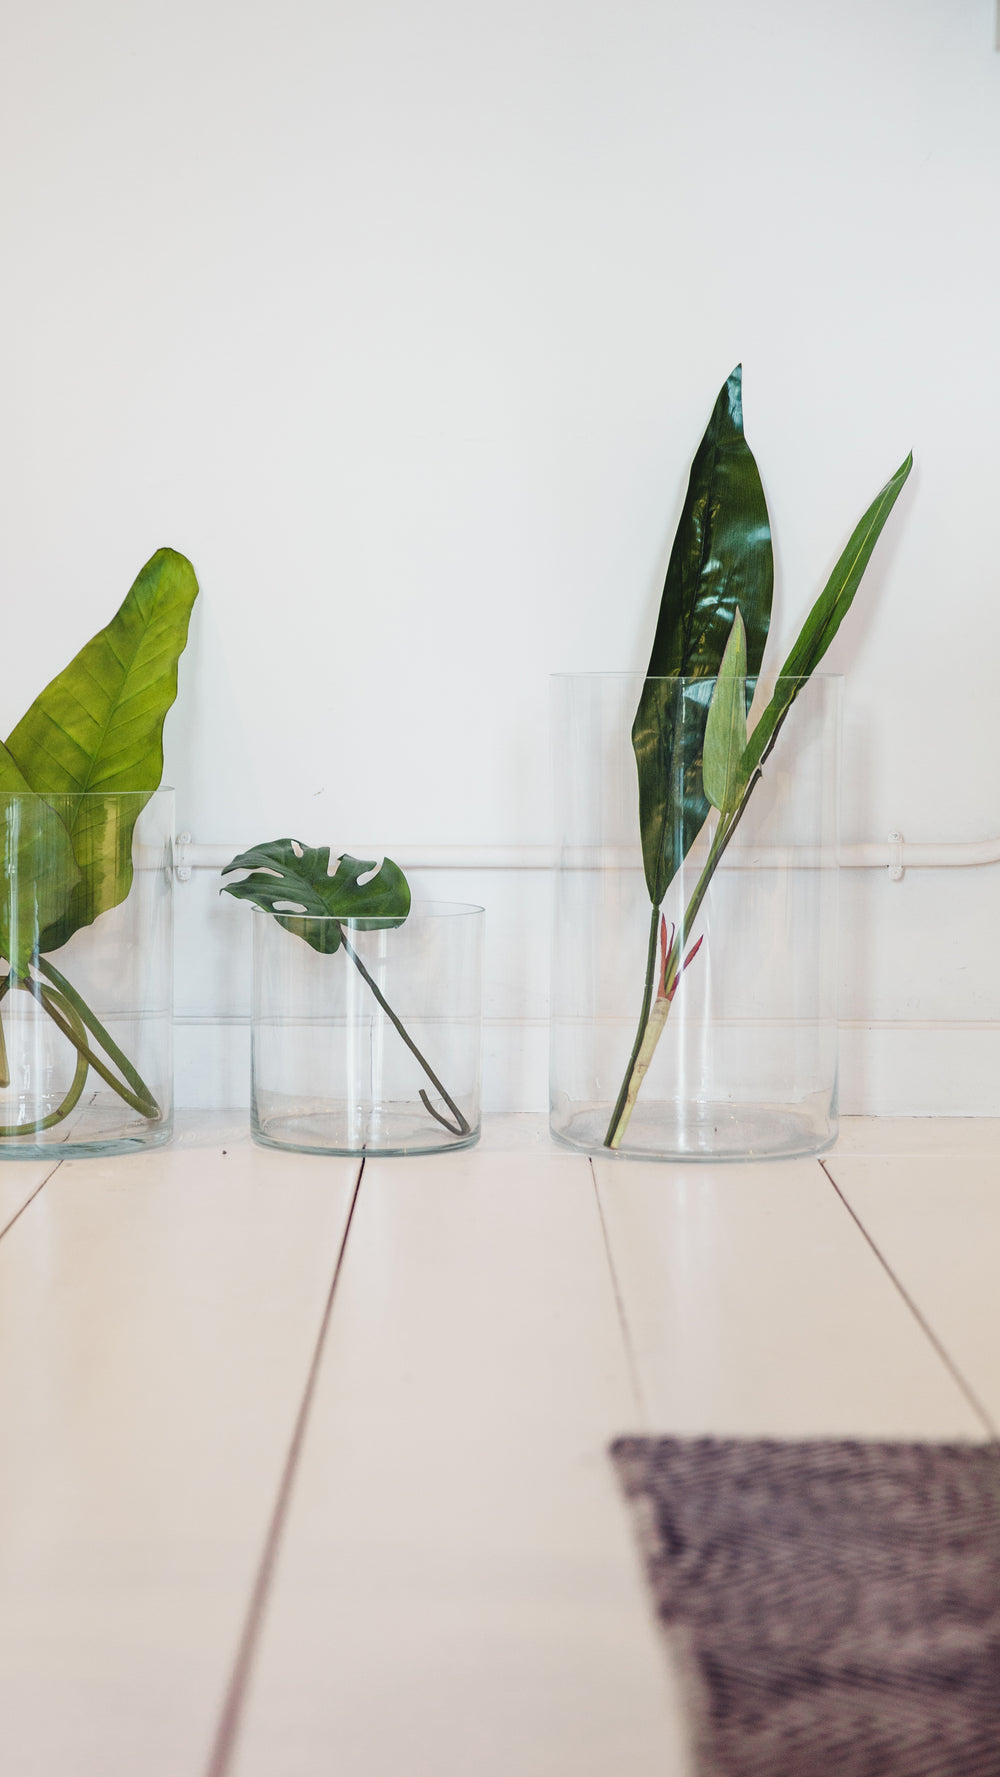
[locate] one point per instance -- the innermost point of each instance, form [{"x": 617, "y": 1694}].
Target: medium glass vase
[
  {"x": 368, "y": 1040},
  {"x": 85, "y": 987},
  {"x": 705, "y": 1028}
]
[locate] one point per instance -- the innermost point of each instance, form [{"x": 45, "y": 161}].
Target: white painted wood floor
[{"x": 306, "y": 1476}]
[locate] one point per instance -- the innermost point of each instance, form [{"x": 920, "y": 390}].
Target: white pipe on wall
[{"x": 894, "y": 855}]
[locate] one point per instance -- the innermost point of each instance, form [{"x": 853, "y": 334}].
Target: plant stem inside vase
[
  {"x": 656, "y": 1006},
  {"x": 461, "y": 1125},
  {"x": 73, "y": 1018}
]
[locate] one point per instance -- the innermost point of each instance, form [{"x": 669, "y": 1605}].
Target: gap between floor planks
[
  {"x": 227, "y": 1732},
  {"x": 924, "y": 1324},
  {"x": 654, "y": 1333},
  {"x": 8, "y": 1225},
  {"x": 630, "y": 1354}
]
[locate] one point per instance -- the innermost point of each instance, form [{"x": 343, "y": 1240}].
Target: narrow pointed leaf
[
  {"x": 36, "y": 858},
  {"x": 283, "y": 872},
  {"x": 824, "y": 619},
  {"x": 98, "y": 726},
  {"x": 721, "y": 560},
  {"x": 726, "y": 728}
]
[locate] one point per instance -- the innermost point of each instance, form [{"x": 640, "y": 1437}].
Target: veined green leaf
[
  {"x": 293, "y": 881},
  {"x": 824, "y": 619},
  {"x": 721, "y": 561},
  {"x": 36, "y": 859},
  {"x": 726, "y": 728},
  {"x": 98, "y": 727}
]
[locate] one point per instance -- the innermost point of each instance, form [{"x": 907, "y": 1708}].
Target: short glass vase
[
  {"x": 86, "y": 1021},
  {"x": 739, "y": 1060},
  {"x": 374, "y": 1046}
]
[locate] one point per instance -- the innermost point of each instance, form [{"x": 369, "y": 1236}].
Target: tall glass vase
[
  {"x": 705, "y": 1029},
  {"x": 85, "y": 1013}
]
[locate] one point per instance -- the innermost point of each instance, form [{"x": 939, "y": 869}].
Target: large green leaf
[
  {"x": 36, "y": 859},
  {"x": 726, "y": 728},
  {"x": 291, "y": 880},
  {"x": 97, "y": 730},
  {"x": 721, "y": 561},
  {"x": 824, "y": 619}
]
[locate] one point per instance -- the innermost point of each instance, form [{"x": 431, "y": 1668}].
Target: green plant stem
[
  {"x": 79, "y": 1077},
  {"x": 653, "y": 1017},
  {"x": 143, "y": 1101},
  {"x": 4, "y": 1062},
  {"x": 72, "y": 1016},
  {"x": 461, "y": 1126},
  {"x": 47, "y": 998},
  {"x": 647, "y": 1001}
]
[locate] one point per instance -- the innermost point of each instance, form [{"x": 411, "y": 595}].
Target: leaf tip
[{"x": 732, "y": 395}]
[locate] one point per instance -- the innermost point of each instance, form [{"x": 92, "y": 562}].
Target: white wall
[{"x": 403, "y": 320}]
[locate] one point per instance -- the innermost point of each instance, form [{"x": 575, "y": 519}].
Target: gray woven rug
[{"x": 833, "y": 1607}]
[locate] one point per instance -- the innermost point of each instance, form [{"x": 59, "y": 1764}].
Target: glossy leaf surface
[
  {"x": 98, "y": 727},
  {"x": 726, "y": 727},
  {"x": 293, "y": 881},
  {"x": 721, "y": 561},
  {"x": 825, "y": 618}
]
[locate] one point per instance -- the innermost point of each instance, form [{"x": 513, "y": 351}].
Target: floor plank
[
  {"x": 755, "y": 1307},
  {"x": 897, "y": 1136},
  {"x": 158, "y": 1314},
  {"x": 935, "y": 1218},
  {"x": 457, "y": 1591}
]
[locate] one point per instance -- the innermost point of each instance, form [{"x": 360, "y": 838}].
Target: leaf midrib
[{"x": 702, "y": 558}]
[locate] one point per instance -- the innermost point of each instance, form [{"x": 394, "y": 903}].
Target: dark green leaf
[
  {"x": 721, "y": 560},
  {"x": 824, "y": 619},
  {"x": 98, "y": 727},
  {"x": 291, "y": 880},
  {"x": 36, "y": 858},
  {"x": 726, "y": 728}
]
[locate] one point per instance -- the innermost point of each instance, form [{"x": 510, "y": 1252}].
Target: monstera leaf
[
  {"x": 98, "y": 727},
  {"x": 292, "y": 880},
  {"x": 720, "y": 563}
]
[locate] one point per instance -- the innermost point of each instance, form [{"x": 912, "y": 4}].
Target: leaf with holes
[{"x": 294, "y": 882}]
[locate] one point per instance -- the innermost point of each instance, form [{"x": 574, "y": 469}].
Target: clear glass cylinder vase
[
  {"x": 86, "y": 978},
  {"x": 705, "y": 1029},
  {"x": 368, "y": 1042}
]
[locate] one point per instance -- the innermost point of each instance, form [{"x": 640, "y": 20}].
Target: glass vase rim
[
  {"x": 105, "y": 795},
  {"x": 699, "y": 678}
]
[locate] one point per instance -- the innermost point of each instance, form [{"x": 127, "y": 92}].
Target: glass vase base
[
  {"x": 94, "y": 1131},
  {"x": 702, "y": 1132},
  {"x": 392, "y": 1131}
]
